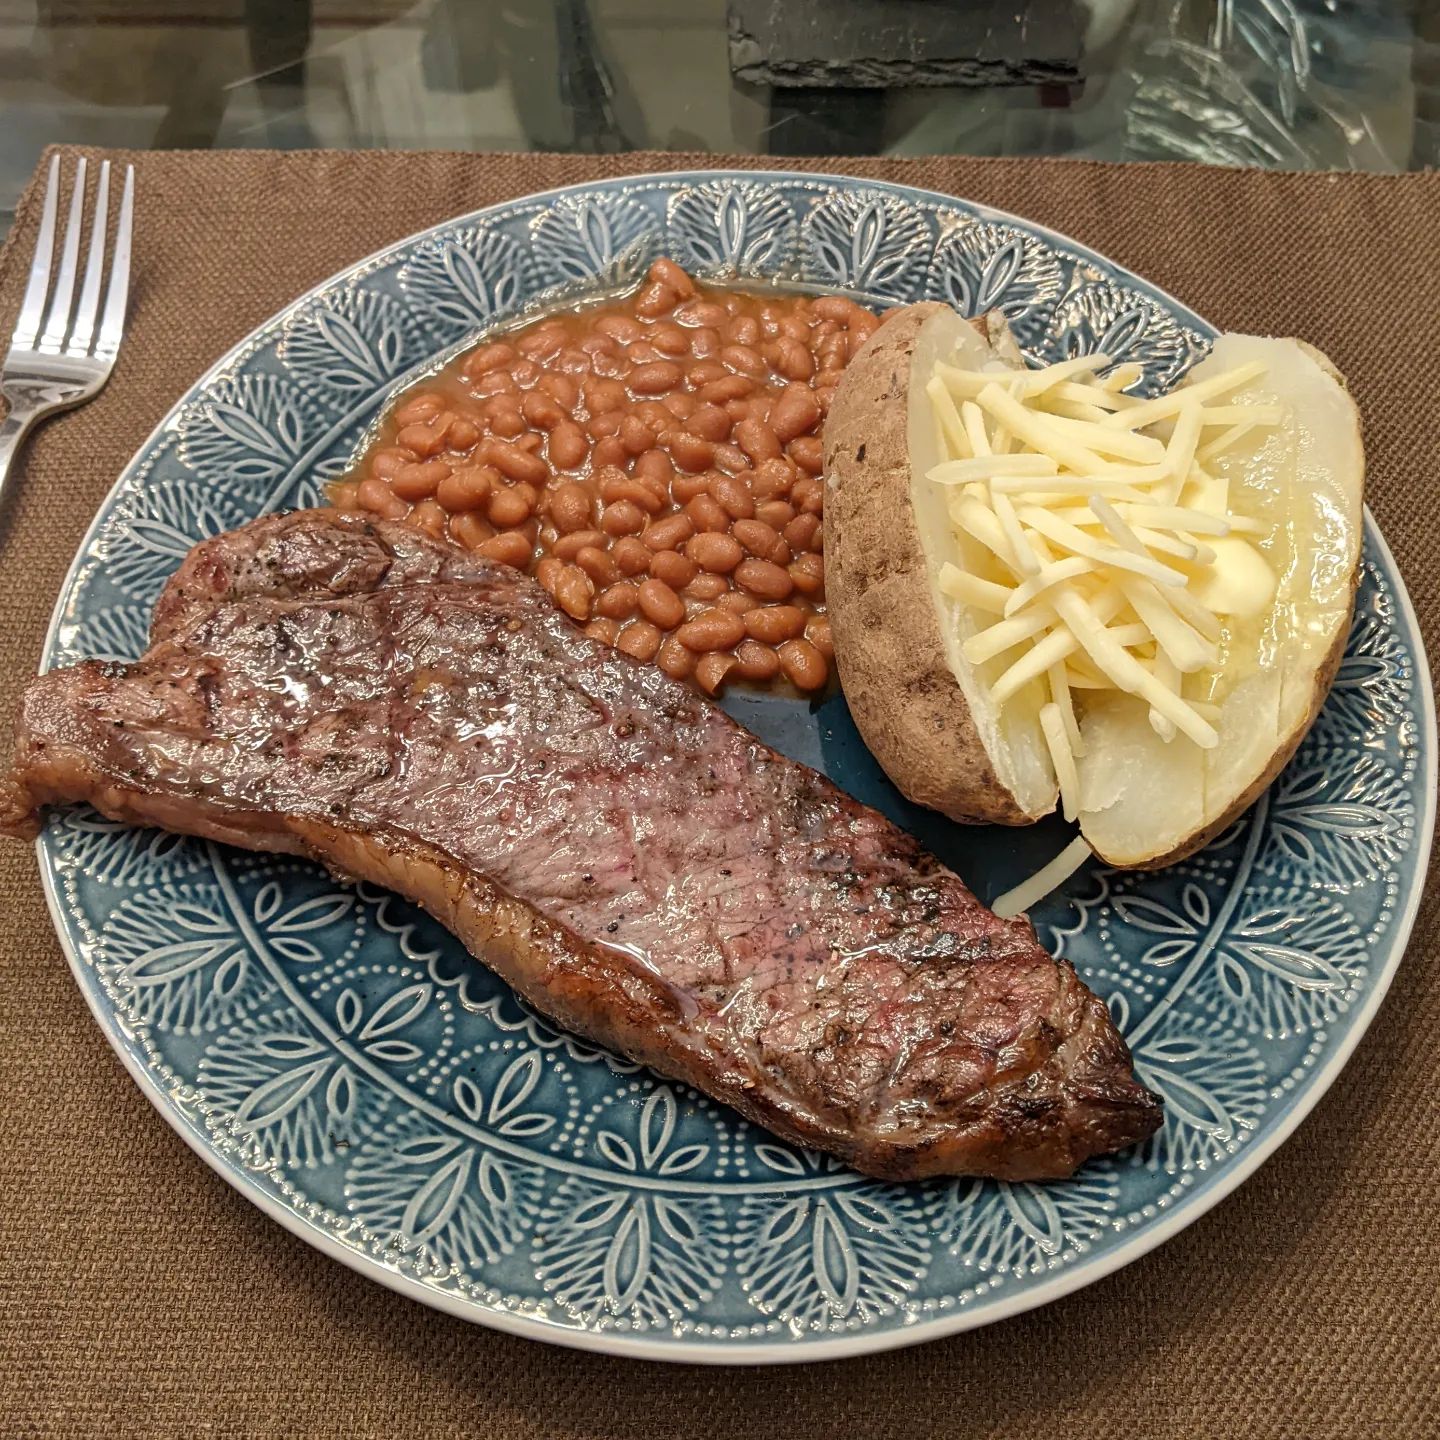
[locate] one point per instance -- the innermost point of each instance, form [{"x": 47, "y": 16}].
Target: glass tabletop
[{"x": 1295, "y": 84}]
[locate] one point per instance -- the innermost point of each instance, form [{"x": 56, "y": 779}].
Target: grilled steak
[{"x": 637, "y": 866}]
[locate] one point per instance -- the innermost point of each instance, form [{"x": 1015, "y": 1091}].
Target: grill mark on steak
[{"x": 639, "y": 867}]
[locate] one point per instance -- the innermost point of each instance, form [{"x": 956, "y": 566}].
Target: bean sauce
[{"x": 652, "y": 462}]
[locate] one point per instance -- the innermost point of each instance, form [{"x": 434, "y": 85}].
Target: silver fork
[{"x": 62, "y": 352}]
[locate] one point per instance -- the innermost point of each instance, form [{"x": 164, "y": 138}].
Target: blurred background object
[{"x": 1307, "y": 84}]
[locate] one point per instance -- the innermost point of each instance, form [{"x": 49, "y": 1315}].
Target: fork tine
[
  {"x": 89, "y": 307},
  {"x": 33, "y": 306},
  {"x": 112, "y": 325},
  {"x": 57, "y": 319}
]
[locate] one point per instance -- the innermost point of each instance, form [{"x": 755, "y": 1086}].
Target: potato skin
[{"x": 888, "y": 648}]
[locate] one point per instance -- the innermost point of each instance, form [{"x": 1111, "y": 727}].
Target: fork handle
[{"x": 12, "y": 431}]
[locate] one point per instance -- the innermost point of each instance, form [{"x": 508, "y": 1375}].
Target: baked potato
[{"x": 1196, "y": 661}]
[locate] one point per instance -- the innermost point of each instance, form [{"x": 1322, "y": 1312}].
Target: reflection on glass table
[{"x": 1347, "y": 84}]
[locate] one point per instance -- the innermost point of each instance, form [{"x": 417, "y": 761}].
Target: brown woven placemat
[{"x": 140, "y": 1295}]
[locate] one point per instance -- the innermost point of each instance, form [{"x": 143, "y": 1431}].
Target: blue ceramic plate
[{"x": 337, "y": 1057}]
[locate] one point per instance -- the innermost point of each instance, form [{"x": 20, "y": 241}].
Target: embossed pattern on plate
[{"x": 335, "y": 1055}]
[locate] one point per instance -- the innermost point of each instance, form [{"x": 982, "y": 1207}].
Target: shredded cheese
[
  {"x": 1042, "y": 882},
  {"x": 1109, "y": 558}
]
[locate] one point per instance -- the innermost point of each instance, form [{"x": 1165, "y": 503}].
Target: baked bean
[
  {"x": 763, "y": 579},
  {"x": 376, "y": 496},
  {"x": 508, "y": 507},
  {"x": 561, "y": 389},
  {"x": 725, "y": 387},
  {"x": 513, "y": 462},
  {"x": 675, "y": 569},
  {"x": 675, "y": 660},
  {"x": 574, "y": 591},
  {"x": 684, "y": 488},
  {"x": 624, "y": 517},
  {"x": 709, "y": 422},
  {"x": 494, "y": 382},
  {"x": 510, "y": 547},
  {"x": 462, "y": 434},
  {"x": 487, "y": 358},
  {"x": 669, "y": 340},
  {"x": 470, "y": 529},
  {"x": 808, "y": 574},
  {"x": 793, "y": 360},
  {"x": 707, "y": 513},
  {"x": 667, "y": 272},
  {"x": 655, "y": 378},
  {"x": 775, "y": 513},
  {"x": 387, "y": 461},
  {"x": 757, "y": 440},
  {"x": 429, "y": 517},
  {"x": 506, "y": 421},
  {"x": 541, "y": 411},
  {"x": 616, "y": 485},
  {"x": 640, "y": 640},
  {"x": 741, "y": 359},
  {"x": 703, "y": 374},
  {"x": 702, "y": 312},
  {"x": 711, "y": 671},
  {"x": 568, "y": 446},
  {"x": 635, "y": 435},
  {"x": 772, "y": 479},
  {"x": 744, "y": 330},
  {"x": 718, "y": 553},
  {"x": 807, "y": 453},
  {"x": 796, "y": 413},
  {"x": 773, "y": 623},
  {"x": 608, "y": 451},
  {"x": 547, "y": 572},
  {"x": 602, "y": 396},
  {"x": 667, "y": 446},
  {"x": 669, "y": 533},
  {"x": 733, "y": 495},
  {"x": 731, "y": 459},
  {"x": 660, "y": 604},
  {"x": 420, "y": 480},
  {"x": 618, "y": 601},
  {"x": 808, "y": 495},
  {"x": 631, "y": 556},
  {"x": 804, "y": 532},
  {"x": 574, "y": 361},
  {"x": 655, "y": 299},
  {"x": 803, "y": 664},
  {"x": 760, "y": 539},
  {"x": 690, "y": 452},
  {"x": 755, "y": 661},
  {"x": 654, "y": 468},
  {"x": 707, "y": 587},
  {"x": 568, "y": 547},
  {"x": 621, "y": 328},
  {"x": 571, "y": 507},
  {"x": 817, "y": 632},
  {"x": 424, "y": 440},
  {"x": 680, "y": 405},
  {"x": 419, "y": 409}
]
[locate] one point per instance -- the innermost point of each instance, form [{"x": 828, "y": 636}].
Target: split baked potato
[{"x": 1255, "y": 608}]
